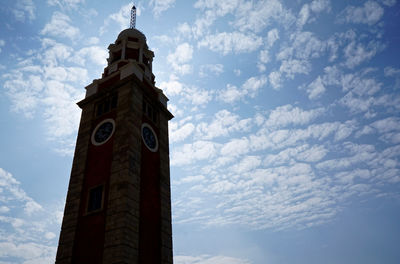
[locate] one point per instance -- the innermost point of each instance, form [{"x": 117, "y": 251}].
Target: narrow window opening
[
  {"x": 95, "y": 201},
  {"x": 114, "y": 101},
  {"x": 132, "y": 54},
  {"x": 116, "y": 56},
  {"x": 154, "y": 116},
  {"x": 144, "y": 107},
  {"x": 107, "y": 104},
  {"x": 99, "y": 110},
  {"x": 149, "y": 111},
  {"x": 133, "y": 39},
  {"x": 145, "y": 61}
]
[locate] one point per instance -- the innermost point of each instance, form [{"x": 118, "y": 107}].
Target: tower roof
[{"x": 132, "y": 32}]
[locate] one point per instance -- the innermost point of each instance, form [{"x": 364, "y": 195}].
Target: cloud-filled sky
[{"x": 285, "y": 146}]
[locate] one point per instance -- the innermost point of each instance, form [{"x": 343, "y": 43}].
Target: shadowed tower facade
[{"x": 118, "y": 206}]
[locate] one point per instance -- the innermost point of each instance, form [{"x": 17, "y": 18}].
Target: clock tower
[{"x": 118, "y": 206}]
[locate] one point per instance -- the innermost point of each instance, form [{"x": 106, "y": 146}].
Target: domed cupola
[
  {"x": 130, "y": 46},
  {"x": 129, "y": 57}
]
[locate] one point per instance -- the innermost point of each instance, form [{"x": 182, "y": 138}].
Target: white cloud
[
  {"x": 359, "y": 84},
  {"x": 49, "y": 235},
  {"x": 348, "y": 177},
  {"x": 303, "y": 16},
  {"x": 316, "y": 6},
  {"x": 256, "y": 16},
  {"x": 234, "y": 42},
  {"x": 320, "y": 5},
  {"x": 24, "y": 9},
  {"x": 248, "y": 163},
  {"x": 215, "y": 69},
  {"x": 223, "y": 123},
  {"x": 237, "y": 72},
  {"x": 2, "y": 43},
  {"x": 202, "y": 24},
  {"x": 282, "y": 138},
  {"x": 122, "y": 18},
  {"x": 249, "y": 16},
  {"x": 272, "y": 37},
  {"x": 253, "y": 84},
  {"x": 389, "y": 2},
  {"x": 263, "y": 58},
  {"x": 236, "y": 147},
  {"x": 184, "y": 29},
  {"x": 175, "y": 110},
  {"x": 206, "y": 259},
  {"x": 30, "y": 252},
  {"x": 66, "y": 74},
  {"x": 189, "y": 153},
  {"x": 393, "y": 72},
  {"x": 68, "y": 4},
  {"x": 313, "y": 154},
  {"x": 190, "y": 179},
  {"x": 316, "y": 88},
  {"x": 93, "y": 41},
  {"x": 24, "y": 93},
  {"x": 249, "y": 88},
  {"x": 364, "y": 131},
  {"x": 31, "y": 207},
  {"x": 11, "y": 187},
  {"x": 370, "y": 13},
  {"x": 181, "y": 133},
  {"x": 387, "y": 125},
  {"x": 212, "y": 10},
  {"x": 345, "y": 130},
  {"x": 302, "y": 153},
  {"x": 4, "y": 209},
  {"x": 53, "y": 53},
  {"x": 42, "y": 85},
  {"x": 230, "y": 94},
  {"x": 357, "y": 53},
  {"x": 188, "y": 95},
  {"x": 292, "y": 67},
  {"x": 356, "y": 104},
  {"x": 180, "y": 57},
  {"x": 30, "y": 237},
  {"x": 332, "y": 75},
  {"x": 183, "y": 53},
  {"x": 295, "y": 197},
  {"x": 172, "y": 87},
  {"x": 299, "y": 195},
  {"x": 61, "y": 114},
  {"x": 275, "y": 80},
  {"x": 160, "y": 6},
  {"x": 359, "y": 154},
  {"x": 197, "y": 96},
  {"x": 388, "y": 71},
  {"x": 95, "y": 54},
  {"x": 221, "y": 7},
  {"x": 361, "y": 96},
  {"x": 306, "y": 45},
  {"x": 303, "y": 47},
  {"x": 288, "y": 115},
  {"x": 60, "y": 26}
]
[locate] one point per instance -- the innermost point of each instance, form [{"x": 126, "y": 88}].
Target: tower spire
[{"x": 133, "y": 17}]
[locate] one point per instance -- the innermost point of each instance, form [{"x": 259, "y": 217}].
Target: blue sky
[{"x": 285, "y": 146}]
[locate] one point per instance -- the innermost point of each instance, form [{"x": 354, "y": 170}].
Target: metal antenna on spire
[{"x": 133, "y": 16}]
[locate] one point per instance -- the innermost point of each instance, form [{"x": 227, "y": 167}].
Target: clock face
[
  {"x": 103, "y": 132},
  {"x": 149, "y": 137}
]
